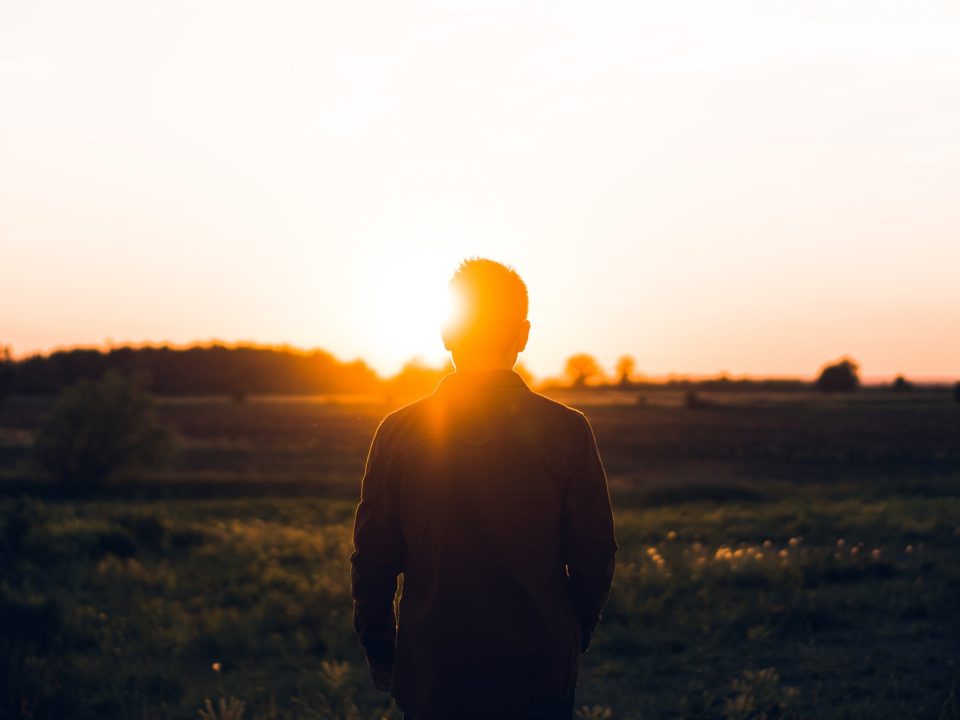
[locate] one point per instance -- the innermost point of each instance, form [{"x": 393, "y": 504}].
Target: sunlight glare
[{"x": 412, "y": 303}]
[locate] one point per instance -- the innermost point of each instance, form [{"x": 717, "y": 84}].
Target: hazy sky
[{"x": 746, "y": 186}]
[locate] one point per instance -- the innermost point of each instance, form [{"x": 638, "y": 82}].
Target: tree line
[
  {"x": 243, "y": 370},
  {"x": 199, "y": 370},
  {"x": 582, "y": 370}
]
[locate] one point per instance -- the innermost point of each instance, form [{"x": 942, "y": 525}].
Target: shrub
[{"x": 97, "y": 429}]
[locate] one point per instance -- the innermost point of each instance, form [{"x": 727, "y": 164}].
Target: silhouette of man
[{"x": 491, "y": 501}]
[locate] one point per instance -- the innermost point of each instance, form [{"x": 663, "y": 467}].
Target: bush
[
  {"x": 98, "y": 429},
  {"x": 956, "y": 392}
]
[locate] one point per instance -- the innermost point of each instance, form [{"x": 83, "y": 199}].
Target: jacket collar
[{"x": 481, "y": 379}]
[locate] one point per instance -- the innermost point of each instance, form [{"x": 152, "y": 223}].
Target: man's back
[{"x": 492, "y": 502}]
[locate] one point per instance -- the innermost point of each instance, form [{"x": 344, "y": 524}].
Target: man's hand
[{"x": 382, "y": 676}]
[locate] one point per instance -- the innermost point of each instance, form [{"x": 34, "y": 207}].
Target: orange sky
[{"x": 751, "y": 187}]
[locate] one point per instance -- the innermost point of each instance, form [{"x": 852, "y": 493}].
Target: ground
[{"x": 781, "y": 556}]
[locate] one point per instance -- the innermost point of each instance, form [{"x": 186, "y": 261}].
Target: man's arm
[
  {"x": 376, "y": 562},
  {"x": 589, "y": 542}
]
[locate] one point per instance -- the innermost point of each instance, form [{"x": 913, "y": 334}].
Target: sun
[{"x": 410, "y": 303}]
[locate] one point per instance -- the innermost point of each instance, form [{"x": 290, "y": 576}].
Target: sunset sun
[{"x": 409, "y": 306}]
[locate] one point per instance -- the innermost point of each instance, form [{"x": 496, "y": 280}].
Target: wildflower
[
  {"x": 758, "y": 556},
  {"x": 783, "y": 554},
  {"x": 841, "y": 542},
  {"x": 768, "y": 544},
  {"x": 216, "y": 667},
  {"x": 854, "y": 550},
  {"x": 672, "y": 535},
  {"x": 909, "y": 549},
  {"x": 794, "y": 541},
  {"x": 875, "y": 554}
]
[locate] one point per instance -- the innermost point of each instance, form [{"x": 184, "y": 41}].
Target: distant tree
[
  {"x": 841, "y": 376},
  {"x": 956, "y": 392},
  {"x": 100, "y": 428},
  {"x": 581, "y": 367},
  {"x": 901, "y": 384},
  {"x": 202, "y": 370},
  {"x": 625, "y": 367}
]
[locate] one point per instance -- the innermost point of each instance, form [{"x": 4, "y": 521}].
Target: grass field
[{"x": 782, "y": 556}]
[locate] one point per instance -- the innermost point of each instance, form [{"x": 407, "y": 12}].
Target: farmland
[{"x": 794, "y": 555}]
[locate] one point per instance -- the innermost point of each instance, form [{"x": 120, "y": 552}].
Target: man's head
[{"x": 488, "y": 326}]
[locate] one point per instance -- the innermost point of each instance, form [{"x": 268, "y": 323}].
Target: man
[{"x": 491, "y": 501}]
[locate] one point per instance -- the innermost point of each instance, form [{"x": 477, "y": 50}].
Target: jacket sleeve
[
  {"x": 589, "y": 542},
  {"x": 377, "y": 557}
]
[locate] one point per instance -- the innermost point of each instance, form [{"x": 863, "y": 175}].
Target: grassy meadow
[{"x": 782, "y": 556}]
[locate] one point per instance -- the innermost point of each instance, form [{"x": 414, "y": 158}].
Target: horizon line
[{"x": 639, "y": 377}]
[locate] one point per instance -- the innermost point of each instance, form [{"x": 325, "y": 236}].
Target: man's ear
[{"x": 523, "y": 335}]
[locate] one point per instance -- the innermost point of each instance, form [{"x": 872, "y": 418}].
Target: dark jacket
[{"x": 492, "y": 503}]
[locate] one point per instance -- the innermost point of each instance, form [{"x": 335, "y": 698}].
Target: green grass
[
  {"x": 733, "y": 596},
  {"x": 120, "y": 609}
]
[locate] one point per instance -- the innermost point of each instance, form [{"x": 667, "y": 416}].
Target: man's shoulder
[
  {"x": 428, "y": 416},
  {"x": 398, "y": 423},
  {"x": 551, "y": 410},
  {"x": 403, "y": 414}
]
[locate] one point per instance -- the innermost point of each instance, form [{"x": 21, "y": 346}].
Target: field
[{"x": 788, "y": 556}]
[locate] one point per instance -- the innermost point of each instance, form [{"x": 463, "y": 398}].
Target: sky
[{"x": 753, "y": 187}]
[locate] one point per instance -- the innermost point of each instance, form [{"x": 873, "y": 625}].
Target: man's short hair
[{"x": 491, "y": 301}]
